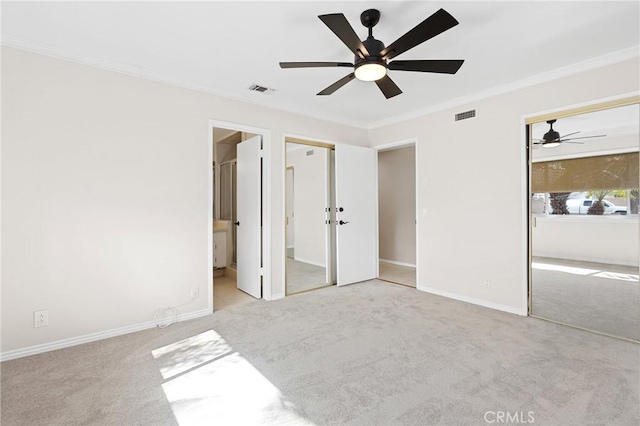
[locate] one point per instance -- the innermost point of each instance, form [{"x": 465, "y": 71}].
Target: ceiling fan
[
  {"x": 371, "y": 55},
  {"x": 552, "y": 138}
]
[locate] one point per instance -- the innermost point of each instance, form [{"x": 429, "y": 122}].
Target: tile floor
[{"x": 226, "y": 294}]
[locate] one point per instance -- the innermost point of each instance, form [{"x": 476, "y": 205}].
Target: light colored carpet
[
  {"x": 594, "y": 296},
  {"x": 397, "y": 274},
  {"x": 302, "y": 276},
  {"x": 365, "y": 354}
]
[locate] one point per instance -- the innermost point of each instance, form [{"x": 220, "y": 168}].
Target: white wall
[
  {"x": 105, "y": 195},
  {"x": 605, "y": 239},
  {"x": 105, "y": 191},
  {"x": 482, "y": 161},
  {"x": 310, "y": 184},
  {"x": 397, "y": 204}
]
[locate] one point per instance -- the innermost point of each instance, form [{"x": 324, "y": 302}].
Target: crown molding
[
  {"x": 92, "y": 61},
  {"x": 579, "y": 67}
]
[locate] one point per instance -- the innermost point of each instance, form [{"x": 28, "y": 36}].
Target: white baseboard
[
  {"x": 474, "y": 301},
  {"x": 101, "y": 335},
  {"x": 394, "y": 262},
  {"x": 310, "y": 262}
]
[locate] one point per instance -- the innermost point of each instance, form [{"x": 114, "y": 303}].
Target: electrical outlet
[
  {"x": 195, "y": 293},
  {"x": 41, "y": 318},
  {"x": 487, "y": 283}
]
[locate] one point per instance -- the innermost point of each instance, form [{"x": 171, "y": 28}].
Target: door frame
[
  {"x": 404, "y": 143},
  {"x": 267, "y": 290}
]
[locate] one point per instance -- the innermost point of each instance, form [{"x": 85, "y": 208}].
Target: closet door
[{"x": 356, "y": 212}]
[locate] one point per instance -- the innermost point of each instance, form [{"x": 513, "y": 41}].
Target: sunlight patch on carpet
[
  {"x": 189, "y": 353},
  {"x": 585, "y": 271},
  {"x": 207, "y": 382}
]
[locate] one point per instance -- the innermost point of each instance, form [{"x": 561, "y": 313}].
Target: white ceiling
[{"x": 224, "y": 47}]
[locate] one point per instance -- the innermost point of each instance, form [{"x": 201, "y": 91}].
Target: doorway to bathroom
[{"x": 237, "y": 216}]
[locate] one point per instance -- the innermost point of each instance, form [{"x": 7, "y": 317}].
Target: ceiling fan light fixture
[
  {"x": 552, "y": 144},
  {"x": 370, "y": 71}
]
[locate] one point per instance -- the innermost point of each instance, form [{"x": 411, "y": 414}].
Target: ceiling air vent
[
  {"x": 261, "y": 89},
  {"x": 466, "y": 115}
]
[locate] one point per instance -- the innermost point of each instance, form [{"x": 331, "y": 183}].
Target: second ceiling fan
[
  {"x": 552, "y": 138},
  {"x": 371, "y": 55}
]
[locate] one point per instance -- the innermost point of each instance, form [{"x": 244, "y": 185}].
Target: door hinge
[
  {"x": 262, "y": 272},
  {"x": 261, "y": 153}
]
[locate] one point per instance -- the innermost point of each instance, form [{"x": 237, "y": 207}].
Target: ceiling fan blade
[
  {"x": 569, "y": 134},
  {"x": 581, "y": 143},
  {"x": 582, "y": 137},
  {"x": 338, "y": 84},
  {"x": 442, "y": 66},
  {"x": 435, "y": 24},
  {"x": 388, "y": 87},
  {"x": 314, "y": 64},
  {"x": 341, "y": 27}
]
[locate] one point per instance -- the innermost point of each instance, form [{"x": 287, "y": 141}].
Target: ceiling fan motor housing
[
  {"x": 551, "y": 135},
  {"x": 374, "y": 47}
]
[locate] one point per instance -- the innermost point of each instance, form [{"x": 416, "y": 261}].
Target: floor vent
[
  {"x": 261, "y": 89},
  {"x": 466, "y": 115}
]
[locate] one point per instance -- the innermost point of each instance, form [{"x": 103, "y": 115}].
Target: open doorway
[
  {"x": 397, "y": 214},
  {"x": 234, "y": 204}
]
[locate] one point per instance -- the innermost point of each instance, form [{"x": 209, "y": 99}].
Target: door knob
[
  {"x": 340, "y": 209},
  {"x": 342, "y": 222},
  {"x": 236, "y": 223}
]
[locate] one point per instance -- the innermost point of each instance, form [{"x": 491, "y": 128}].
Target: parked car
[{"x": 581, "y": 206}]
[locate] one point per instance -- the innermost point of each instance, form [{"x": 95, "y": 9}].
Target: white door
[
  {"x": 248, "y": 225},
  {"x": 356, "y": 234}
]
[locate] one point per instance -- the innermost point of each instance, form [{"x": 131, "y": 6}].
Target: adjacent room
[
  {"x": 320, "y": 213},
  {"x": 397, "y": 215}
]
